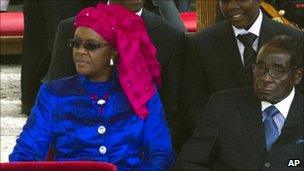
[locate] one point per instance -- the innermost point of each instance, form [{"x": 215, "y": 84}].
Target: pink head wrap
[{"x": 137, "y": 67}]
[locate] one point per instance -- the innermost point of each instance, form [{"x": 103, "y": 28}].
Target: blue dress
[{"x": 68, "y": 117}]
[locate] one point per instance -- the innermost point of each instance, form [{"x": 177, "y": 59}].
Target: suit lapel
[
  {"x": 251, "y": 114},
  {"x": 150, "y": 21},
  {"x": 153, "y": 25},
  {"x": 293, "y": 125},
  {"x": 267, "y": 32},
  {"x": 229, "y": 50}
]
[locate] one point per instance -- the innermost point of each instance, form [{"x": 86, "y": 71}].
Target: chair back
[{"x": 58, "y": 165}]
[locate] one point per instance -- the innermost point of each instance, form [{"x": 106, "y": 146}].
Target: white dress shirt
[
  {"x": 254, "y": 29},
  {"x": 283, "y": 106}
]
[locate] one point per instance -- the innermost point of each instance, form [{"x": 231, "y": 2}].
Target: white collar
[
  {"x": 283, "y": 106},
  {"x": 139, "y": 12},
  {"x": 254, "y": 29}
]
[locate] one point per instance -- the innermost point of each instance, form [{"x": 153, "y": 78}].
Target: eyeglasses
[
  {"x": 89, "y": 46},
  {"x": 275, "y": 72}
]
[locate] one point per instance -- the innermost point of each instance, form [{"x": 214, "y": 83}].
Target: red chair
[
  {"x": 54, "y": 166},
  {"x": 11, "y": 32},
  {"x": 189, "y": 19}
]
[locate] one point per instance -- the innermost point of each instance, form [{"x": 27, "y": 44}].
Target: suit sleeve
[
  {"x": 201, "y": 149},
  {"x": 195, "y": 91},
  {"x": 170, "y": 13},
  {"x": 34, "y": 141},
  {"x": 171, "y": 90},
  {"x": 158, "y": 152}
]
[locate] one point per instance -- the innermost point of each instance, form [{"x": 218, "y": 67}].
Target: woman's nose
[{"x": 81, "y": 50}]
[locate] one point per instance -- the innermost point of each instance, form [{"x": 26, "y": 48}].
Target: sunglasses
[{"x": 89, "y": 46}]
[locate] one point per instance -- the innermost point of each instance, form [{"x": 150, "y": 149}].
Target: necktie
[
  {"x": 249, "y": 53},
  {"x": 271, "y": 129}
]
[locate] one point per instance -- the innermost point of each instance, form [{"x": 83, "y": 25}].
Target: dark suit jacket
[
  {"x": 231, "y": 136},
  {"x": 169, "y": 43},
  {"x": 213, "y": 63}
]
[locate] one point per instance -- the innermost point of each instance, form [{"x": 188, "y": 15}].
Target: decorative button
[
  {"x": 101, "y": 102},
  {"x": 102, "y": 150},
  {"x": 93, "y": 96},
  {"x": 101, "y": 130},
  {"x": 128, "y": 84},
  {"x": 282, "y": 12},
  {"x": 267, "y": 164}
]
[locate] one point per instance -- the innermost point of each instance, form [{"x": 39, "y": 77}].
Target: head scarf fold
[{"x": 137, "y": 67}]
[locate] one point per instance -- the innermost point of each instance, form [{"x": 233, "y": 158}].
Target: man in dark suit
[
  {"x": 169, "y": 43},
  {"x": 217, "y": 59},
  {"x": 259, "y": 128},
  {"x": 41, "y": 19}
]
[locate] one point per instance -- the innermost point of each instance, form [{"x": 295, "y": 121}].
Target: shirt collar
[
  {"x": 254, "y": 29},
  {"x": 139, "y": 12},
  {"x": 283, "y": 106}
]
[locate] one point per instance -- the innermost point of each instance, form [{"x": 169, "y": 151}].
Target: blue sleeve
[
  {"x": 158, "y": 153},
  {"x": 34, "y": 141}
]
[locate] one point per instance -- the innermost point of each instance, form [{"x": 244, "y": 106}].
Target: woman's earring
[{"x": 111, "y": 62}]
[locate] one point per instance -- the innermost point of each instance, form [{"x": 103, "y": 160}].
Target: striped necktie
[
  {"x": 270, "y": 127},
  {"x": 249, "y": 53}
]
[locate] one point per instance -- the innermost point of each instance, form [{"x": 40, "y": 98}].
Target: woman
[{"x": 111, "y": 110}]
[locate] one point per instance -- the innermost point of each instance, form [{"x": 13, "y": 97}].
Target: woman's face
[{"x": 92, "y": 54}]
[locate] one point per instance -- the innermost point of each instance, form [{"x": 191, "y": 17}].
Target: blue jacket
[{"x": 68, "y": 116}]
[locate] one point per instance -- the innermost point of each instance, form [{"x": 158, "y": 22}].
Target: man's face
[
  {"x": 240, "y": 13},
  {"x": 133, "y": 5},
  {"x": 276, "y": 81}
]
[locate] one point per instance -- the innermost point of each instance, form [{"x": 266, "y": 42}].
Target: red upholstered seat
[
  {"x": 11, "y": 24},
  {"x": 11, "y": 32},
  {"x": 54, "y": 166},
  {"x": 189, "y": 19}
]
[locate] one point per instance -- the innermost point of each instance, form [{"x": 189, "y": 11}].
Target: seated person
[
  {"x": 169, "y": 43},
  {"x": 254, "y": 128},
  {"x": 111, "y": 110}
]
